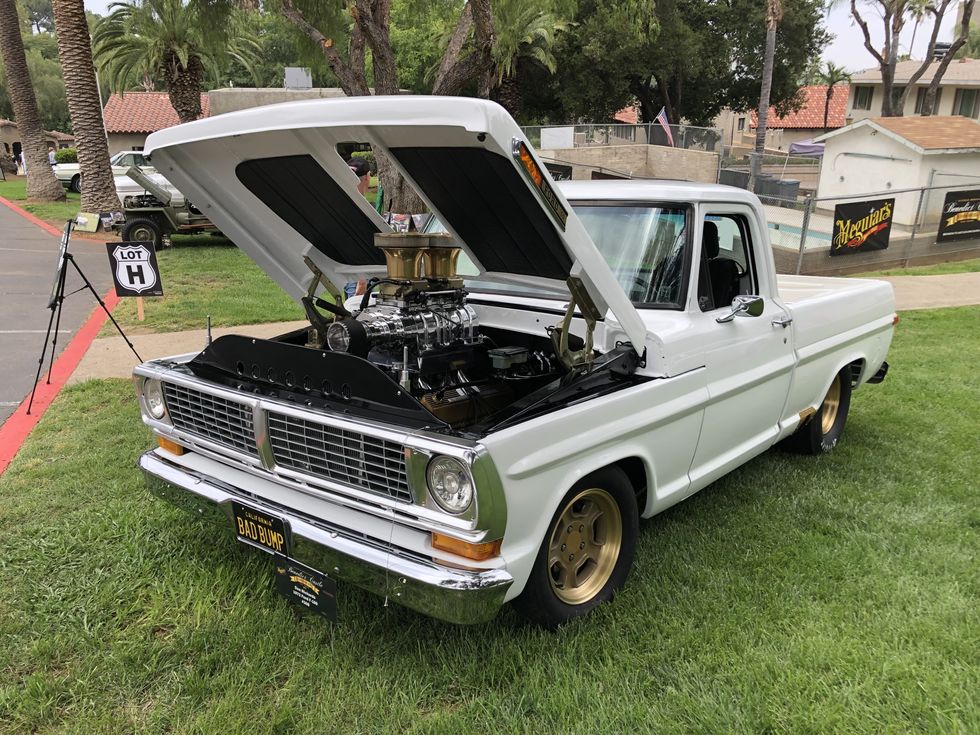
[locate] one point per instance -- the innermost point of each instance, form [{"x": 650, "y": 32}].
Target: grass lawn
[
  {"x": 198, "y": 280},
  {"x": 57, "y": 213},
  {"x": 958, "y": 266},
  {"x": 799, "y": 594}
]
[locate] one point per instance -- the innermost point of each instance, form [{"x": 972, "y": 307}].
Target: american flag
[{"x": 665, "y": 124}]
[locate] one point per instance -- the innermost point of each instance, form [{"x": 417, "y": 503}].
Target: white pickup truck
[{"x": 494, "y": 417}]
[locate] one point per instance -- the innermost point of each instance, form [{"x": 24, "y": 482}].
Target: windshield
[{"x": 643, "y": 245}]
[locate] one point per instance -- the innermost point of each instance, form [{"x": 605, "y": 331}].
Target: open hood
[{"x": 272, "y": 180}]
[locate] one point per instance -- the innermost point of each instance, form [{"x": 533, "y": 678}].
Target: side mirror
[{"x": 744, "y": 306}]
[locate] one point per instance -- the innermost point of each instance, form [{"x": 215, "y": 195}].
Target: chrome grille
[
  {"x": 344, "y": 456},
  {"x": 226, "y": 422}
]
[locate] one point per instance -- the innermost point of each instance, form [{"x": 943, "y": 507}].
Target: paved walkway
[
  {"x": 109, "y": 357},
  {"x": 28, "y": 253}
]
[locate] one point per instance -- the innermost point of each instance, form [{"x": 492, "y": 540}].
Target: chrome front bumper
[{"x": 454, "y": 595}]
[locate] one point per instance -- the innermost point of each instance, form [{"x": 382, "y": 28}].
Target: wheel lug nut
[
  {"x": 581, "y": 528},
  {"x": 571, "y": 557},
  {"x": 563, "y": 547},
  {"x": 582, "y": 545}
]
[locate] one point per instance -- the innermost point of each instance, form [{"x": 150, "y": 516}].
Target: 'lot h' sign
[{"x": 134, "y": 269}]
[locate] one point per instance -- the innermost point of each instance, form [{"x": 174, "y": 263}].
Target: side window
[
  {"x": 126, "y": 161},
  {"x": 726, "y": 261}
]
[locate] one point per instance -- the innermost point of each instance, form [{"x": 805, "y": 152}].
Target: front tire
[
  {"x": 587, "y": 553},
  {"x": 826, "y": 426},
  {"x": 143, "y": 229},
  {"x": 76, "y": 184}
]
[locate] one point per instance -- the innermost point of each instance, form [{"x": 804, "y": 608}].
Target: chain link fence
[
  {"x": 918, "y": 229},
  {"x": 689, "y": 137}
]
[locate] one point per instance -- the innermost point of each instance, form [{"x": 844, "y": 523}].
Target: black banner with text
[
  {"x": 961, "y": 216},
  {"x": 862, "y": 226}
]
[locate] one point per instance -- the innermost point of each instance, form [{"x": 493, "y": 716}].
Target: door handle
[{"x": 782, "y": 321}]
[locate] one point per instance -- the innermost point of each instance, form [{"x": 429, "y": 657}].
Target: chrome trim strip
[{"x": 451, "y": 594}]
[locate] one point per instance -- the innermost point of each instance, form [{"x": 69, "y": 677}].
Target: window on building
[
  {"x": 920, "y": 100},
  {"x": 741, "y": 124},
  {"x": 966, "y": 102},
  {"x": 863, "y": 97}
]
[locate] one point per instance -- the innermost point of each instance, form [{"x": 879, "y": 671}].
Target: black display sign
[
  {"x": 559, "y": 172},
  {"x": 134, "y": 269},
  {"x": 312, "y": 589},
  {"x": 862, "y": 226},
  {"x": 961, "y": 216}
]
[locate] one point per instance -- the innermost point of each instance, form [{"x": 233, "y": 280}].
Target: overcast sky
[{"x": 847, "y": 48}]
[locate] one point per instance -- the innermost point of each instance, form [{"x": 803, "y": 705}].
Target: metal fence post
[
  {"x": 804, "y": 228},
  {"x": 915, "y": 226}
]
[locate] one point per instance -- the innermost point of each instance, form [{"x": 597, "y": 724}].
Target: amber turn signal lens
[
  {"x": 477, "y": 552},
  {"x": 895, "y": 320},
  {"x": 172, "y": 447}
]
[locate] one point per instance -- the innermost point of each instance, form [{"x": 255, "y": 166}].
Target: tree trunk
[
  {"x": 826, "y": 106},
  {"x": 964, "y": 33},
  {"x": 85, "y": 107},
  {"x": 41, "y": 183},
  {"x": 508, "y": 95},
  {"x": 763, "y": 114},
  {"x": 184, "y": 87}
]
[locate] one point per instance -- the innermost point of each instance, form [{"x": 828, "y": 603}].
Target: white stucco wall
[{"x": 865, "y": 161}]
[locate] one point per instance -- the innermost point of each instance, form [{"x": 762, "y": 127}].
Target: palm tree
[
  {"x": 84, "y": 106},
  {"x": 774, "y": 14},
  {"x": 41, "y": 183},
  {"x": 524, "y": 33},
  {"x": 169, "y": 42},
  {"x": 832, "y": 75}
]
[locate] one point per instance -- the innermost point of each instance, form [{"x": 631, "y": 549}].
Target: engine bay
[{"x": 413, "y": 350}]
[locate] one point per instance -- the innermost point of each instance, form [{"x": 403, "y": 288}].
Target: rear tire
[
  {"x": 587, "y": 552},
  {"x": 826, "y": 426},
  {"x": 143, "y": 229}
]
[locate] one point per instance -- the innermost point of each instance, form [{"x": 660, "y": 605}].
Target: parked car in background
[
  {"x": 154, "y": 209},
  {"x": 70, "y": 175}
]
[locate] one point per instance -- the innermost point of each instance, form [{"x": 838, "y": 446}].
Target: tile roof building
[
  {"x": 130, "y": 117},
  {"x": 10, "y": 143}
]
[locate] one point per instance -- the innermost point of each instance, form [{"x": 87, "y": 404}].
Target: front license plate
[
  {"x": 260, "y": 529},
  {"x": 306, "y": 586}
]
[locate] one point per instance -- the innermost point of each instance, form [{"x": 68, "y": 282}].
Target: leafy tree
[
  {"x": 40, "y": 15},
  {"x": 41, "y": 183},
  {"x": 85, "y": 106},
  {"x": 168, "y": 42},
  {"x": 831, "y": 75},
  {"x": 894, "y": 15},
  {"x": 41, "y": 50},
  {"x": 525, "y": 34},
  {"x": 364, "y": 26}
]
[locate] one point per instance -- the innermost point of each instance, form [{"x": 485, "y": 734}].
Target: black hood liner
[
  {"x": 306, "y": 197},
  {"x": 483, "y": 196}
]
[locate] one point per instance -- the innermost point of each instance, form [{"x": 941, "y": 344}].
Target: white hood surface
[{"x": 272, "y": 180}]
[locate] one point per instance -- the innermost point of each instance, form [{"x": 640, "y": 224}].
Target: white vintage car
[
  {"x": 70, "y": 176},
  {"x": 465, "y": 439}
]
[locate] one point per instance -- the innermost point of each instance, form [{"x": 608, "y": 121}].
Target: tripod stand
[{"x": 55, "y": 304}]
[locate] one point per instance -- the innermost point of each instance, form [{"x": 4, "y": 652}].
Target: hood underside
[{"x": 271, "y": 179}]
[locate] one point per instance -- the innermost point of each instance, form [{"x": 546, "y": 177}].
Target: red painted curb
[
  {"x": 50, "y": 229},
  {"x": 18, "y": 427}
]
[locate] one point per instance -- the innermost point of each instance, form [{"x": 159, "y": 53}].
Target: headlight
[
  {"x": 153, "y": 396},
  {"x": 450, "y": 484}
]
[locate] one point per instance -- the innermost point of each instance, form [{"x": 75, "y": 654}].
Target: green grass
[
  {"x": 798, "y": 594},
  {"x": 15, "y": 189},
  {"x": 956, "y": 266},
  {"x": 199, "y": 280}
]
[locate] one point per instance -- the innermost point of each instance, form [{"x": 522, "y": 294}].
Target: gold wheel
[
  {"x": 831, "y": 403},
  {"x": 584, "y": 546}
]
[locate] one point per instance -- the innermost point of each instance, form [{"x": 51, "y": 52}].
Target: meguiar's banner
[
  {"x": 960, "y": 219},
  {"x": 860, "y": 226}
]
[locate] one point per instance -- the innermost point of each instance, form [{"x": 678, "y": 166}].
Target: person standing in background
[{"x": 51, "y": 158}]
